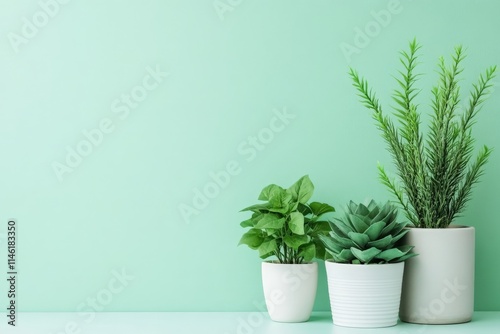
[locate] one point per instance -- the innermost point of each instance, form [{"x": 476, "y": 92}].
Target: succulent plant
[{"x": 367, "y": 234}]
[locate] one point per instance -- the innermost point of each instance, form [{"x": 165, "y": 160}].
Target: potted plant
[
  {"x": 436, "y": 174},
  {"x": 286, "y": 228},
  {"x": 366, "y": 272}
]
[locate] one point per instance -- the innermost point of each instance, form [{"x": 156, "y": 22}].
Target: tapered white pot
[
  {"x": 364, "y": 295},
  {"x": 290, "y": 290},
  {"x": 438, "y": 284}
]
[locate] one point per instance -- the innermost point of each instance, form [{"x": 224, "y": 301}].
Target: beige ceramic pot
[{"x": 438, "y": 284}]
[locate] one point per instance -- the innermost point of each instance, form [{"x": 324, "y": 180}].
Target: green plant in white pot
[
  {"x": 286, "y": 228},
  {"x": 436, "y": 172},
  {"x": 366, "y": 272}
]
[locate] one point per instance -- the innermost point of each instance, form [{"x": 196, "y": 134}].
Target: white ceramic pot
[
  {"x": 364, "y": 295},
  {"x": 438, "y": 284},
  {"x": 290, "y": 290}
]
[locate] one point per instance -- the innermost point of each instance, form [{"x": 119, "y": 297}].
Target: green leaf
[
  {"x": 362, "y": 210},
  {"x": 340, "y": 228},
  {"x": 390, "y": 254},
  {"x": 406, "y": 257},
  {"x": 351, "y": 207},
  {"x": 304, "y": 209},
  {"x": 380, "y": 243},
  {"x": 320, "y": 249},
  {"x": 330, "y": 244},
  {"x": 345, "y": 256},
  {"x": 398, "y": 229},
  {"x": 319, "y": 209},
  {"x": 253, "y": 238},
  {"x": 257, "y": 208},
  {"x": 373, "y": 208},
  {"x": 267, "y": 248},
  {"x": 296, "y": 223},
  {"x": 330, "y": 254},
  {"x": 295, "y": 241},
  {"x": 302, "y": 190},
  {"x": 394, "y": 254},
  {"x": 385, "y": 213},
  {"x": 308, "y": 252},
  {"x": 281, "y": 202},
  {"x": 365, "y": 256},
  {"x": 373, "y": 232},
  {"x": 269, "y": 191},
  {"x": 360, "y": 239},
  {"x": 342, "y": 242},
  {"x": 270, "y": 220},
  {"x": 247, "y": 223},
  {"x": 252, "y": 221},
  {"x": 358, "y": 223},
  {"x": 322, "y": 227},
  {"x": 397, "y": 237},
  {"x": 388, "y": 228},
  {"x": 271, "y": 231}
]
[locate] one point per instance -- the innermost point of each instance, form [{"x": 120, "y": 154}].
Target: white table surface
[{"x": 218, "y": 323}]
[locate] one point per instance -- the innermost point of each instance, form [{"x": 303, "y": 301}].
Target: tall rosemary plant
[{"x": 436, "y": 172}]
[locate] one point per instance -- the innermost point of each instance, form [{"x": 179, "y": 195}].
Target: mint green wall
[{"x": 221, "y": 78}]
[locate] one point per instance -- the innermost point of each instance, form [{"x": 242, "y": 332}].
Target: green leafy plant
[
  {"x": 367, "y": 234},
  {"x": 436, "y": 172},
  {"x": 286, "y": 226}
]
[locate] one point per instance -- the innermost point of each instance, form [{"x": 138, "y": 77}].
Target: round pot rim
[
  {"x": 451, "y": 227},
  {"x": 364, "y": 264}
]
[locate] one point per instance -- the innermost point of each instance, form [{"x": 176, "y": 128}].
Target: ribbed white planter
[
  {"x": 290, "y": 290},
  {"x": 365, "y": 296},
  {"x": 438, "y": 284}
]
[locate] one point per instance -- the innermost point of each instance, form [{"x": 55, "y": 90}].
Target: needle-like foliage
[{"x": 436, "y": 174}]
